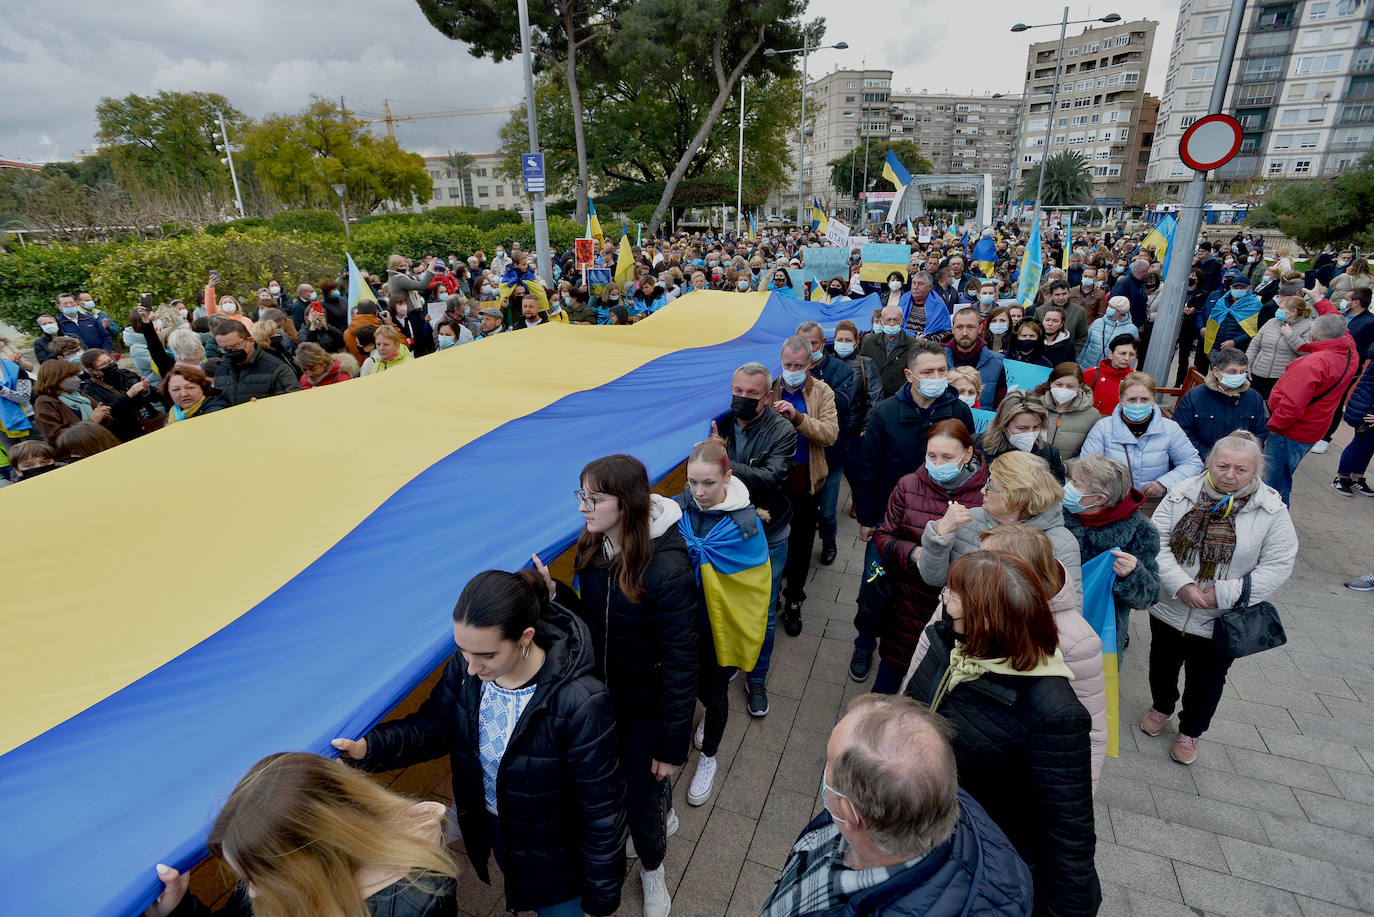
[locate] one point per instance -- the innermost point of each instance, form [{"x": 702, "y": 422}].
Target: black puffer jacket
[
  {"x": 1023, "y": 749},
  {"x": 260, "y": 376},
  {"x": 560, "y": 792},
  {"x": 422, "y": 896},
  {"x": 125, "y": 412},
  {"x": 895, "y": 445},
  {"x": 646, "y": 651}
]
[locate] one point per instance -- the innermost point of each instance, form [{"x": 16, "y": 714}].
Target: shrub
[
  {"x": 178, "y": 268},
  {"x": 247, "y": 223},
  {"x": 562, "y": 231},
  {"x": 466, "y": 215},
  {"x": 642, "y": 213},
  {"x": 372, "y": 244},
  {"x": 492, "y": 219},
  {"x": 32, "y": 276},
  {"x": 320, "y": 221}
]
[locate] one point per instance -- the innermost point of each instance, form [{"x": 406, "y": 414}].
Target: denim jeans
[
  {"x": 1281, "y": 458},
  {"x": 829, "y": 498},
  {"x": 777, "y": 558},
  {"x": 1355, "y": 458}
]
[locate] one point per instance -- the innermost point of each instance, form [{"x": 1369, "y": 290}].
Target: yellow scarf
[{"x": 964, "y": 668}]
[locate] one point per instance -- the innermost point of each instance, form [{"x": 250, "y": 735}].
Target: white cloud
[{"x": 271, "y": 56}]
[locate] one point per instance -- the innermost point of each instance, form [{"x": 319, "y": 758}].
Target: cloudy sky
[{"x": 59, "y": 57}]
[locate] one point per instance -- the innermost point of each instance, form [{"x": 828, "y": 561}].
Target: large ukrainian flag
[
  {"x": 250, "y": 628},
  {"x": 895, "y": 172}
]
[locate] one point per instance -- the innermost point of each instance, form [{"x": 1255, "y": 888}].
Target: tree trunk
[
  {"x": 725, "y": 87},
  {"x": 579, "y": 132}
]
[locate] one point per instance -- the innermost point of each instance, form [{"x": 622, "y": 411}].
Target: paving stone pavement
[{"x": 1275, "y": 818}]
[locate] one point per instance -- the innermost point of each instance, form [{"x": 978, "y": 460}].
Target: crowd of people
[{"x": 567, "y": 716}]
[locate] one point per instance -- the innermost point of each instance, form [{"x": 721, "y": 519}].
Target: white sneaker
[
  {"x": 700, "y": 737},
  {"x": 670, "y": 829},
  {"x": 1319, "y": 447},
  {"x": 702, "y": 779},
  {"x": 657, "y": 901}
]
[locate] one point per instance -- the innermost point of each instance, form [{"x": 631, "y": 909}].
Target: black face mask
[
  {"x": 35, "y": 472},
  {"x": 836, "y": 291},
  {"x": 110, "y": 373},
  {"x": 236, "y": 355},
  {"x": 745, "y": 409}
]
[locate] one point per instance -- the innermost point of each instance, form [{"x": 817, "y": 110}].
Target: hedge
[{"x": 246, "y": 253}]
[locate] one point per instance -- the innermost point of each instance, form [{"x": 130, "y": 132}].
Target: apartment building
[
  {"x": 1302, "y": 87},
  {"x": 968, "y": 133},
  {"x": 477, "y": 186},
  {"x": 1098, "y": 106}
]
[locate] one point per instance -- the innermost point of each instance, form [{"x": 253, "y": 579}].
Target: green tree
[
  {"x": 1320, "y": 210},
  {"x": 460, "y": 162},
  {"x": 848, "y": 171},
  {"x": 165, "y": 142},
  {"x": 1068, "y": 181},
  {"x": 639, "y": 124},
  {"x": 714, "y": 41},
  {"x": 298, "y": 157},
  {"x": 560, "y": 32}
]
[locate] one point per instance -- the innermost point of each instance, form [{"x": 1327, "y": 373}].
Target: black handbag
[
  {"x": 1247, "y": 629},
  {"x": 875, "y": 600}
]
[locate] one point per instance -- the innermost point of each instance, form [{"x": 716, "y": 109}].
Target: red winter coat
[
  {"x": 1105, "y": 383},
  {"x": 447, "y": 281},
  {"x": 915, "y": 501},
  {"x": 1306, "y": 395},
  {"x": 335, "y": 374}
]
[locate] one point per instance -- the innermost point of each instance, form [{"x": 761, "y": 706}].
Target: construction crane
[{"x": 391, "y": 119}]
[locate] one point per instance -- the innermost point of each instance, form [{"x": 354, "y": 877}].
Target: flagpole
[
  {"x": 739, "y": 175},
  {"x": 538, "y": 215},
  {"x": 1049, "y": 118}
]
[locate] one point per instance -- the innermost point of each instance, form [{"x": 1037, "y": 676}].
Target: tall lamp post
[
  {"x": 1063, "y": 24},
  {"x": 341, "y": 189},
  {"x": 805, "y": 50},
  {"x": 539, "y": 214}
]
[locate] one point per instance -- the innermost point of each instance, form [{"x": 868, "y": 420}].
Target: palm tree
[
  {"x": 1068, "y": 181},
  {"x": 460, "y": 162}
]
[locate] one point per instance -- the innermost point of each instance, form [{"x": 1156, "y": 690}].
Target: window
[
  {"x": 1090, "y": 48},
  {"x": 1072, "y": 52},
  {"x": 1275, "y": 167},
  {"x": 1278, "y": 17},
  {"x": 1253, "y": 119},
  {"x": 1093, "y": 119},
  {"x": 1325, "y": 38},
  {"x": 1186, "y": 121},
  {"x": 1283, "y": 142},
  {"x": 1080, "y": 120},
  {"x": 849, "y": 98},
  {"x": 1210, "y": 24},
  {"x": 1130, "y": 78},
  {"x": 1204, "y": 50},
  {"x": 1104, "y": 154},
  {"x": 1065, "y": 105},
  {"x": 1178, "y": 168},
  {"x": 438, "y": 194},
  {"x": 500, "y": 190},
  {"x": 1297, "y": 91},
  {"x": 1061, "y": 122},
  {"x": 1122, "y": 40},
  {"x": 1256, "y": 94},
  {"x": 1260, "y": 68},
  {"x": 851, "y": 84},
  {"x": 1302, "y": 166},
  {"x": 877, "y": 84},
  {"x": 1084, "y": 102},
  {"x": 1307, "y": 141},
  {"x": 1194, "y": 99},
  {"x": 1203, "y": 74},
  {"x": 1347, "y": 7},
  {"x": 1084, "y": 85},
  {"x": 1058, "y": 139},
  {"x": 481, "y": 173},
  {"x": 483, "y": 191},
  {"x": 1316, "y": 12},
  {"x": 1322, "y": 63},
  {"x": 1123, "y": 134}
]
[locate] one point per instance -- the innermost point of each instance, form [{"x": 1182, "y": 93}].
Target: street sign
[
  {"x": 532, "y": 168},
  {"x": 1210, "y": 142}
]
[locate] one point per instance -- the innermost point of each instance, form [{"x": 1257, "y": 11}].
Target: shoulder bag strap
[{"x": 1336, "y": 384}]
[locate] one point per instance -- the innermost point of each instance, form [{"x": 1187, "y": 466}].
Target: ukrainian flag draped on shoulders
[
  {"x": 732, "y": 566},
  {"x": 1244, "y": 311},
  {"x": 985, "y": 255}
]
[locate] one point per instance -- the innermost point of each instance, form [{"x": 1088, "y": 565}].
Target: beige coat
[{"x": 820, "y": 424}]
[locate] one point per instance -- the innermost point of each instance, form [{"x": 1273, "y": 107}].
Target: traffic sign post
[
  {"x": 1210, "y": 142},
  {"x": 532, "y": 169}
]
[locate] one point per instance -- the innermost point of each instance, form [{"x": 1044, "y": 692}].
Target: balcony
[{"x": 1356, "y": 114}]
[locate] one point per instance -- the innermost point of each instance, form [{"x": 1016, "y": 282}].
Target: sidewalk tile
[
  {"x": 1313, "y": 750},
  {"x": 744, "y": 789},
  {"x": 785, "y": 814},
  {"x": 752, "y": 889},
  {"x": 1229, "y": 896},
  {"x": 1300, "y": 874},
  {"x": 1137, "y": 869},
  {"x": 1121, "y": 792},
  {"x": 1245, "y": 791},
  {"x": 1209, "y": 814},
  {"x": 1298, "y": 835},
  {"x": 1179, "y": 843},
  {"x": 1334, "y": 812},
  {"x": 1288, "y": 771}
]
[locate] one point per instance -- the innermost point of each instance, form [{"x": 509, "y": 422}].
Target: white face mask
[
  {"x": 894, "y": 285},
  {"x": 229, "y": 308},
  {"x": 1063, "y": 395},
  {"x": 1023, "y": 441}
]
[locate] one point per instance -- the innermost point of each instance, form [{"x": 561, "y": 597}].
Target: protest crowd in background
[{"x": 1023, "y": 490}]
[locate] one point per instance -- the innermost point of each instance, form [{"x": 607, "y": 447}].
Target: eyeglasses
[
  {"x": 989, "y": 489},
  {"x": 947, "y": 597},
  {"x": 586, "y": 499}
]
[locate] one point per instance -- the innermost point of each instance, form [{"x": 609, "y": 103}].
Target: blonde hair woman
[
  {"x": 309, "y": 835},
  {"x": 1020, "y": 488},
  {"x": 967, "y": 382},
  {"x": 390, "y": 351},
  {"x": 1020, "y": 423}
]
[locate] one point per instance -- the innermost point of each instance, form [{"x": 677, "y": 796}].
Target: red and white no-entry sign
[{"x": 1210, "y": 142}]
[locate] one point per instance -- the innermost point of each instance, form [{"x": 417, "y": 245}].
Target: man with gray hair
[
  {"x": 761, "y": 445},
  {"x": 1305, "y": 397},
  {"x": 896, "y": 835}
]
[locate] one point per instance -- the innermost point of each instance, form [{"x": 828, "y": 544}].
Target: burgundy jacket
[{"x": 915, "y": 501}]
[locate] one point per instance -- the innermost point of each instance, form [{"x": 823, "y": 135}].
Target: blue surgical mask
[
  {"x": 1344, "y": 307},
  {"x": 844, "y": 348},
  {"x": 932, "y": 388},
  {"x": 998, "y": 327},
  {"x": 817, "y": 355},
  {"x": 942, "y": 473},
  {"x": 1281, "y": 314},
  {"x": 1233, "y": 380},
  {"x": 878, "y": 327},
  {"x": 793, "y": 377},
  {"x": 892, "y": 329},
  {"x": 1137, "y": 412},
  {"x": 987, "y": 299},
  {"x": 1073, "y": 498},
  {"x": 970, "y": 400}
]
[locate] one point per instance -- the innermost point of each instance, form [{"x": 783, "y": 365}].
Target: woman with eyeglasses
[
  {"x": 639, "y": 590},
  {"x": 1022, "y": 738},
  {"x": 1020, "y": 424}
]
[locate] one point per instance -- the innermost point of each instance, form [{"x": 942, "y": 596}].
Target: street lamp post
[
  {"x": 1063, "y": 24},
  {"x": 805, "y": 51},
  {"x": 341, "y": 190},
  {"x": 222, "y": 135},
  {"x": 539, "y": 215},
  {"x": 739, "y": 177}
]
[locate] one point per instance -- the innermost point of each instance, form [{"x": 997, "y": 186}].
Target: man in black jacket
[
  {"x": 245, "y": 372},
  {"x": 888, "y": 349},
  {"x": 761, "y": 444},
  {"x": 835, "y": 373},
  {"x": 895, "y": 445}
]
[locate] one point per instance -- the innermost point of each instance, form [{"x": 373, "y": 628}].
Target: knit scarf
[
  {"x": 1207, "y": 532},
  {"x": 79, "y": 404}
]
